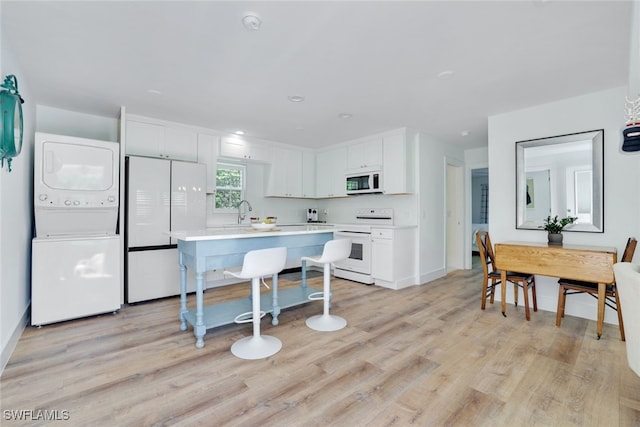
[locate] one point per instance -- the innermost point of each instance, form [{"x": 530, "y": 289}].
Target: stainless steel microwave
[{"x": 364, "y": 182}]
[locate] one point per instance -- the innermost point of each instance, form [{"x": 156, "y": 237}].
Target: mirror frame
[{"x": 597, "y": 151}]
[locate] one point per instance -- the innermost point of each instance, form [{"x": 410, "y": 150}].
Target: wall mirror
[{"x": 561, "y": 175}]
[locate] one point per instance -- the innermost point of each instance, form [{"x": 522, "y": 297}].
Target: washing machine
[
  {"x": 76, "y": 259},
  {"x": 73, "y": 277}
]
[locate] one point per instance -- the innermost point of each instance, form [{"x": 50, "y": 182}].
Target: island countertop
[
  {"x": 220, "y": 248},
  {"x": 245, "y": 231}
]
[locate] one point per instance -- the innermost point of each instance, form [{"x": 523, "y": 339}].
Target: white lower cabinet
[
  {"x": 155, "y": 274},
  {"x": 392, "y": 257}
]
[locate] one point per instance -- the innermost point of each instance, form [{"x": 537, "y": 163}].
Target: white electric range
[{"x": 358, "y": 266}]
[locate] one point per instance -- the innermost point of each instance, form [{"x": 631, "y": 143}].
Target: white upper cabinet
[
  {"x": 181, "y": 144},
  {"x": 235, "y": 148},
  {"x": 238, "y": 148},
  {"x": 143, "y": 139},
  {"x": 398, "y": 162},
  {"x": 285, "y": 174},
  {"x": 208, "y": 155},
  {"x": 155, "y": 140},
  {"x": 331, "y": 167},
  {"x": 308, "y": 174},
  {"x": 365, "y": 154}
]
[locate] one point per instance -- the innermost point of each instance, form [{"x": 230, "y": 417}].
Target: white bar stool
[
  {"x": 334, "y": 250},
  {"x": 256, "y": 264}
]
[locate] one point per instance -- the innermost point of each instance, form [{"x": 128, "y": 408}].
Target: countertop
[
  {"x": 395, "y": 227},
  {"x": 245, "y": 231},
  {"x": 337, "y": 226}
]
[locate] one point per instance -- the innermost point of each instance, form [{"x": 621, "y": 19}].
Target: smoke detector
[{"x": 251, "y": 22}]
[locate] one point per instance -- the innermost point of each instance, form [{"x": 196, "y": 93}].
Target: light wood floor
[{"x": 425, "y": 356}]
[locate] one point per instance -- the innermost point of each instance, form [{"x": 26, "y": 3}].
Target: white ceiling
[{"x": 376, "y": 60}]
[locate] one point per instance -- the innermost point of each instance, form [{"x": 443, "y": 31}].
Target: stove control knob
[
  {"x": 76, "y": 203},
  {"x": 43, "y": 197},
  {"x": 67, "y": 202},
  {"x": 111, "y": 199}
]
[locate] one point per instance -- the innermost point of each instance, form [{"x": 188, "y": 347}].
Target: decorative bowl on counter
[{"x": 263, "y": 226}]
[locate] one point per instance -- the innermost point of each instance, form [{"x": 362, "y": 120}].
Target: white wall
[
  {"x": 433, "y": 156},
  {"x": 16, "y": 206},
  {"x": 342, "y": 210},
  {"x": 81, "y": 125},
  {"x": 599, "y": 110}
]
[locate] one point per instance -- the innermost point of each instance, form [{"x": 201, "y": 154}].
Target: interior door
[{"x": 455, "y": 212}]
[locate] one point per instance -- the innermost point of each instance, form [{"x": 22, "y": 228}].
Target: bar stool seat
[
  {"x": 256, "y": 264},
  {"x": 334, "y": 250}
]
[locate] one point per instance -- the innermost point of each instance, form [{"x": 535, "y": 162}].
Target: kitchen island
[{"x": 225, "y": 247}]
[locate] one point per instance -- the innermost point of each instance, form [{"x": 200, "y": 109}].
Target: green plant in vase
[{"x": 554, "y": 227}]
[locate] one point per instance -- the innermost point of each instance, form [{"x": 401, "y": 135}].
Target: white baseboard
[
  {"x": 7, "y": 351},
  {"x": 433, "y": 275}
]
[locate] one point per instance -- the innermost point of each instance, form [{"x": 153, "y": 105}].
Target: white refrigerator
[{"x": 162, "y": 195}]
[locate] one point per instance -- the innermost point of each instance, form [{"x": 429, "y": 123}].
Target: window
[{"x": 230, "y": 185}]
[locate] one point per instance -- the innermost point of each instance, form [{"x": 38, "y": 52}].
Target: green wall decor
[{"x": 11, "y": 123}]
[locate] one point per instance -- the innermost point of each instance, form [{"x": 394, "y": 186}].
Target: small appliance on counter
[
  {"x": 312, "y": 215},
  {"x": 315, "y": 215}
]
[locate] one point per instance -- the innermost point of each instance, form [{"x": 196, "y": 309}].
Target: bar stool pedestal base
[
  {"x": 326, "y": 322},
  {"x": 259, "y": 347}
]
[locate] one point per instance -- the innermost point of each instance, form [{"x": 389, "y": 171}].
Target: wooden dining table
[{"x": 576, "y": 262}]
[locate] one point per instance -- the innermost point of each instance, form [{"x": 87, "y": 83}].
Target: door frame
[
  {"x": 457, "y": 190},
  {"x": 468, "y": 204}
]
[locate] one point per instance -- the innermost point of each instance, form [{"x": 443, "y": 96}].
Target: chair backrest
[
  {"x": 263, "y": 262},
  {"x": 629, "y": 250},
  {"x": 486, "y": 251},
  {"x": 335, "y": 250}
]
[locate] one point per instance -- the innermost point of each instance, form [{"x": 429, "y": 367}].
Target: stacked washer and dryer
[{"x": 76, "y": 252}]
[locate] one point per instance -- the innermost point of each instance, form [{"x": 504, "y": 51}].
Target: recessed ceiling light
[
  {"x": 154, "y": 92},
  {"x": 445, "y": 75},
  {"x": 296, "y": 98},
  {"x": 464, "y": 133},
  {"x": 239, "y": 132},
  {"x": 345, "y": 115},
  {"x": 251, "y": 22}
]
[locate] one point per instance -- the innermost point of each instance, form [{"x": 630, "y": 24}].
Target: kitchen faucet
[{"x": 241, "y": 214}]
